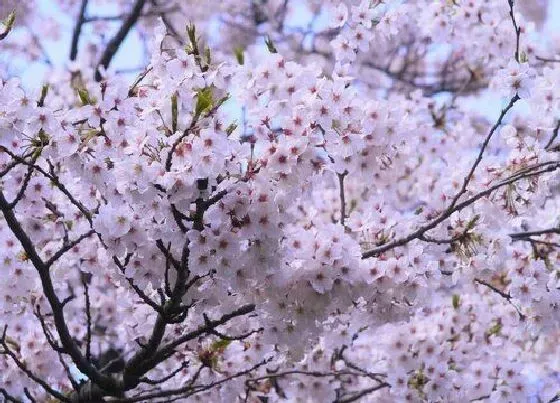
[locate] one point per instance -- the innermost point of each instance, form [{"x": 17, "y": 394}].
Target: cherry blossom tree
[{"x": 364, "y": 206}]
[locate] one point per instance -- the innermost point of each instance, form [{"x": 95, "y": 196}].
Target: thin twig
[
  {"x": 78, "y": 30},
  {"x": 553, "y": 137},
  {"x": 342, "y": 197},
  {"x": 517, "y": 30},
  {"x": 502, "y": 294},
  {"x": 453, "y": 206}
]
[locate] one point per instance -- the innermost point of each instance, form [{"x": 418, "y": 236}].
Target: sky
[
  {"x": 133, "y": 59},
  {"x": 134, "y": 55}
]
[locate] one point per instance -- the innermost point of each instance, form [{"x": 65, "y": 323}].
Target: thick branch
[
  {"x": 57, "y": 306},
  {"x": 117, "y": 40},
  {"x": 189, "y": 389},
  {"x": 168, "y": 350}
]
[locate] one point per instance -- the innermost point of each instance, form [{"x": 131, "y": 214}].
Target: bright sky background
[{"x": 131, "y": 55}]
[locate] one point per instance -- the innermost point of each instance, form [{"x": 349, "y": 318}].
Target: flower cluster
[{"x": 322, "y": 217}]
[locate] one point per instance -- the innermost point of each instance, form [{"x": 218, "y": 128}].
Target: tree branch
[
  {"x": 116, "y": 41},
  {"x": 453, "y": 207},
  {"x": 517, "y": 30},
  {"x": 65, "y": 248},
  {"x": 78, "y": 31},
  {"x": 6, "y": 350},
  {"x": 57, "y": 306}
]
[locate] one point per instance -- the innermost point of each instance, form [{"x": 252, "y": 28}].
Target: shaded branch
[
  {"x": 120, "y": 17},
  {"x": 453, "y": 207},
  {"x": 149, "y": 381},
  {"x": 189, "y": 390},
  {"x": 502, "y": 294},
  {"x": 78, "y": 30},
  {"x": 6, "y": 350},
  {"x": 9, "y": 398},
  {"x": 65, "y": 248},
  {"x": 553, "y": 137},
  {"x": 168, "y": 349},
  {"x": 528, "y": 234},
  {"x": 57, "y": 306},
  {"x": 363, "y": 393},
  {"x": 117, "y": 40},
  {"x": 516, "y": 28}
]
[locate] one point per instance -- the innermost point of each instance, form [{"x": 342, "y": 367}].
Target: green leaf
[
  {"x": 84, "y": 96},
  {"x": 204, "y": 102},
  {"x": 456, "y": 301},
  {"x": 191, "y": 33},
  {"x": 231, "y": 128},
  {"x": 8, "y": 24},
  {"x": 220, "y": 345},
  {"x": 270, "y": 45},
  {"x": 495, "y": 329},
  {"x": 239, "y": 55}
]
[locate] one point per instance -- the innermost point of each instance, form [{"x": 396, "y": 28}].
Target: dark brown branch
[
  {"x": 55, "y": 181},
  {"x": 363, "y": 393},
  {"x": 468, "y": 178},
  {"x": 453, "y": 205},
  {"x": 116, "y": 41},
  {"x": 48, "y": 335},
  {"x": 553, "y": 137},
  {"x": 312, "y": 374},
  {"x": 132, "y": 89},
  {"x": 57, "y": 306},
  {"x": 420, "y": 231},
  {"x": 502, "y": 294},
  {"x": 168, "y": 349},
  {"x": 86, "y": 278},
  {"x": 547, "y": 59},
  {"x": 146, "y": 299},
  {"x": 9, "y": 398},
  {"x": 65, "y": 248},
  {"x": 8, "y": 168},
  {"x": 28, "y": 394},
  {"x": 134, "y": 368},
  {"x": 342, "y": 197},
  {"x": 6, "y": 350},
  {"x": 23, "y": 188},
  {"x": 190, "y": 390},
  {"x": 171, "y": 30},
  {"x": 120, "y": 17},
  {"x": 528, "y": 234},
  {"x": 227, "y": 337},
  {"x": 68, "y": 372},
  {"x": 184, "y": 365},
  {"x": 78, "y": 30},
  {"x": 517, "y": 30}
]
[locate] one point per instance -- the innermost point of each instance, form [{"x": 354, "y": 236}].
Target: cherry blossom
[{"x": 358, "y": 207}]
